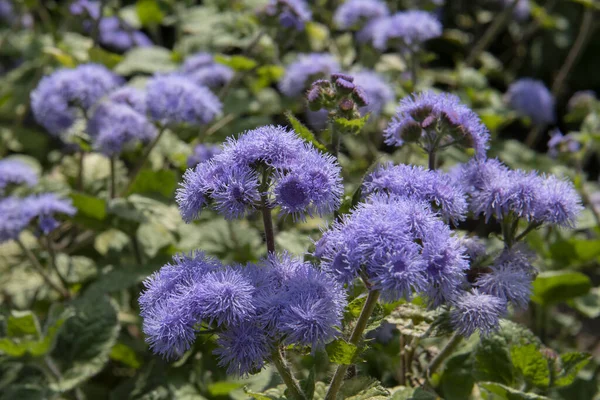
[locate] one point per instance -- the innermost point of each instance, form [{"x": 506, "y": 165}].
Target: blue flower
[
  {"x": 559, "y": 204},
  {"x": 87, "y": 7},
  {"x": 130, "y": 96},
  {"x": 292, "y": 14},
  {"x": 15, "y": 216},
  {"x": 204, "y": 71},
  {"x": 45, "y": 206},
  {"x": 530, "y": 98},
  {"x": 378, "y": 92},
  {"x": 406, "y": 29},
  {"x": 16, "y": 172},
  {"x": 57, "y": 98},
  {"x": 306, "y": 69},
  {"x": 243, "y": 349},
  {"x": 118, "y": 35},
  {"x": 202, "y": 152},
  {"x": 560, "y": 143},
  {"x": 356, "y": 12},
  {"x": 173, "y": 99},
  {"x": 419, "y": 116},
  {"x": 474, "y": 311}
]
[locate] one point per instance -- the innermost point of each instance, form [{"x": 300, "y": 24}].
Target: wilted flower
[{"x": 530, "y": 98}]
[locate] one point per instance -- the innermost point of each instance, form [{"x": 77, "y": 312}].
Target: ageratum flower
[
  {"x": 530, "y": 98},
  {"x": 414, "y": 182},
  {"x": 243, "y": 349},
  {"x": 16, "y": 172},
  {"x": 378, "y": 92},
  {"x": 15, "y": 216},
  {"x": 131, "y": 97},
  {"x": 560, "y": 143},
  {"x": 406, "y": 30},
  {"x": 202, "y": 152},
  {"x": 305, "y": 70},
  {"x": 301, "y": 179},
  {"x": 559, "y": 204},
  {"x": 292, "y": 14},
  {"x": 58, "y": 97},
  {"x": 173, "y": 100},
  {"x": 475, "y": 311},
  {"x": 401, "y": 246},
  {"x": 354, "y": 13},
  {"x": 45, "y": 207},
  {"x": 116, "y": 34},
  {"x": 204, "y": 71},
  {"x": 427, "y": 116}
]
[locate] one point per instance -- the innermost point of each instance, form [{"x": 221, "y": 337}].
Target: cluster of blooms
[
  {"x": 306, "y": 69},
  {"x": 440, "y": 190},
  {"x": 560, "y": 143},
  {"x": 202, "y": 69},
  {"x": 532, "y": 99},
  {"x": 113, "y": 32},
  {"x": 437, "y": 120},
  {"x": 59, "y": 97},
  {"x": 357, "y": 13},
  {"x": 253, "y": 307},
  {"x": 15, "y": 172},
  {"x": 406, "y": 30},
  {"x": 495, "y": 190},
  {"x": 202, "y": 152},
  {"x": 291, "y": 14},
  {"x": 339, "y": 95},
  {"x": 301, "y": 180}
]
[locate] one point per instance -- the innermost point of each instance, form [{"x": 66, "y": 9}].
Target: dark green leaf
[
  {"x": 553, "y": 287},
  {"x": 22, "y": 323},
  {"x": 457, "y": 379},
  {"x": 341, "y": 352},
  {"x": 571, "y": 364},
  {"x": 89, "y": 206},
  {"x": 125, "y": 354},
  {"x": 532, "y": 364},
  {"x": 163, "y": 182},
  {"x": 497, "y": 391}
]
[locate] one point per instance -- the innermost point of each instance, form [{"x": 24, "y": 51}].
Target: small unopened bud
[
  {"x": 339, "y": 75},
  {"x": 346, "y": 105},
  {"x": 411, "y": 131},
  {"x": 360, "y": 97}
]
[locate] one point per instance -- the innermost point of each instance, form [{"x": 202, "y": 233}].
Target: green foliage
[
  {"x": 530, "y": 362},
  {"x": 341, "y": 352},
  {"x": 553, "y": 287}
]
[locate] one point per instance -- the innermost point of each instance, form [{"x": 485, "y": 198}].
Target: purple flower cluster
[
  {"x": 254, "y": 308},
  {"x": 174, "y": 99},
  {"x": 292, "y": 14},
  {"x": 431, "y": 117},
  {"x": 202, "y": 69},
  {"x": 495, "y": 190},
  {"x": 120, "y": 121},
  {"x": 305, "y": 70},
  {"x": 406, "y": 30},
  {"x": 15, "y": 172},
  {"x": 474, "y": 311},
  {"x": 300, "y": 180},
  {"x": 353, "y": 13},
  {"x": 560, "y": 143},
  {"x": 531, "y": 98},
  {"x": 400, "y": 245},
  {"x": 16, "y": 214},
  {"x": 440, "y": 190},
  {"x": 58, "y": 97},
  {"x": 202, "y": 153}
]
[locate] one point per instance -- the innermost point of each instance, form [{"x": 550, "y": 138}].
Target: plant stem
[
  {"x": 361, "y": 324},
  {"x": 40, "y": 270},
  {"x": 286, "y": 375},
  {"x": 490, "y": 34},
  {"x": 136, "y": 249},
  {"x": 533, "y": 135},
  {"x": 432, "y": 160},
  {"x": 581, "y": 42},
  {"x": 335, "y": 139},
  {"x": 414, "y": 69},
  {"x": 530, "y": 227},
  {"x": 136, "y": 170},
  {"x": 266, "y": 212},
  {"x": 52, "y": 252},
  {"x": 442, "y": 355},
  {"x": 113, "y": 181}
]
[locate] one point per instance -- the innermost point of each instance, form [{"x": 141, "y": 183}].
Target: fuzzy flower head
[
  {"x": 377, "y": 91},
  {"x": 426, "y": 116},
  {"x": 531, "y": 98},
  {"x": 131, "y": 97},
  {"x": 202, "y": 152},
  {"x": 117, "y": 35},
  {"x": 204, "y": 71},
  {"x": 57, "y": 99},
  {"x": 301, "y": 179},
  {"x": 86, "y": 8},
  {"x": 405, "y": 30},
  {"x": 46, "y": 206},
  {"x": 291, "y": 14},
  {"x": 174, "y": 100},
  {"x": 353, "y": 13},
  {"x": 413, "y": 182},
  {"x": 15, "y": 216},
  {"x": 475, "y": 311},
  {"x": 306, "y": 69},
  {"x": 562, "y": 144},
  {"x": 16, "y": 172},
  {"x": 169, "y": 330},
  {"x": 243, "y": 349},
  {"x": 114, "y": 127},
  {"x": 559, "y": 204}
]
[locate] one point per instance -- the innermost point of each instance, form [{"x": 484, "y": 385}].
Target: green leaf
[
  {"x": 497, "y": 391},
  {"x": 302, "y": 131},
  {"x": 163, "y": 182},
  {"x": 84, "y": 344},
  {"x": 146, "y": 60},
  {"x": 341, "y": 352},
  {"x": 22, "y": 323},
  {"x": 363, "y": 388},
  {"x": 589, "y": 304},
  {"x": 76, "y": 269},
  {"x": 530, "y": 362},
  {"x": 492, "y": 360},
  {"x": 237, "y": 63},
  {"x": 112, "y": 240},
  {"x": 350, "y": 126},
  {"x": 125, "y": 354},
  {"x": 308, "y": 385},
  {"x": 149, "y": 12},
  {"x": 553, "y": 287},
  {"x": 119, "y": 278},
  {"x": 457, "y": 379},
  {"x": 571, "y": 364},
  {"x": 89, "y": 206},
  {"x": 106, "y": 58},
  {"x": 223, "y": 388}
]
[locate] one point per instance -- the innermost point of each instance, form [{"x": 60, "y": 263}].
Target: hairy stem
[
  {"x": 40, "y": 270},
  {"x": 442, "y": 355},
  {"x": 136, "y": 170},
  {"x": 491, "y": 33},
  {"x": 286, "y": 375},
  {"x": 432, "y": 159},
  {"x": 357, "y": 333},
  {"x": 581, "y": 42}
]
